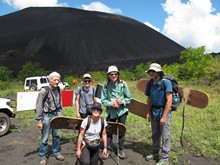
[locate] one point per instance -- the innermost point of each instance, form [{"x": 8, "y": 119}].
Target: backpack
[
  {"x": 176, "y": 96},
  {"x": 89, "y": 121},
  {"x": 47, "y": 92}
]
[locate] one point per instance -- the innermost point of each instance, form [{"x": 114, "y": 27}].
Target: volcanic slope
[{"x": 74, "y": 41}]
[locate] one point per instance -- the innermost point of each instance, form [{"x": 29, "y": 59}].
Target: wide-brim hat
[
  {"x": 87, "y": 76},
  {"x": 112, "y": 68},
  {"x": 155, "y": 67},
  {"x": 97, "y": 105}
]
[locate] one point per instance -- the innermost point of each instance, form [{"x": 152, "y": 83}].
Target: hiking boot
[
  {"x": 59, "y": 157},
  {"x": 161, "y": 162},
  {"x": 152, "y": 156},
  {"x": 121, "y": 154},
  {"x": 43, "y": 161}
]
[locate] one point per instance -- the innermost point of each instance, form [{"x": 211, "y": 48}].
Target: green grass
[{"x": 201, "y": 134}]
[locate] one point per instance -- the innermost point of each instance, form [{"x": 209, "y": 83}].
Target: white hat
[
  {"x": 112, "y": 68},
  {"x": 155, "y": 67},
  {"x": 87, "y": 76}
]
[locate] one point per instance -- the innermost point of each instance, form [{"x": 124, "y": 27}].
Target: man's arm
[
  {"x": 167, "y": 108},
  {"x": 77, "y": 105},
  {"x": 148, "y": 116}
]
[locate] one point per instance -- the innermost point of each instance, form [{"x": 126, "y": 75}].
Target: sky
[{"x": 190, "y": 23}]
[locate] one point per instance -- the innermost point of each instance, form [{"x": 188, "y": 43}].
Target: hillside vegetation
[{"x": 198, "y": 70}]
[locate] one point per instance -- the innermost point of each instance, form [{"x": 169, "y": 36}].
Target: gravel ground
[{"x": 20, "y": 147}]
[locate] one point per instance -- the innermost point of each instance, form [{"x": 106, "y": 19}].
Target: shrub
[
  {"x": 31, "y": 69},
  {"x": 5, "y": 73}
]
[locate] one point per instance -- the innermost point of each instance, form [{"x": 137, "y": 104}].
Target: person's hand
[
  {"x": 40, "y": 125},
  {"x": 114, "y": 104},
  {"x": 104, "y": 152},
  {"x": 78, "y": 115},
  {"x": 119, "y": 101},
  {"x": 163, "y": 120},
  {"x": 148, "y": 117},
  {"x": 78, "y": 153}
]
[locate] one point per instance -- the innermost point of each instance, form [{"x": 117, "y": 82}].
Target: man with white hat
[{"x": 159, "y": 113}]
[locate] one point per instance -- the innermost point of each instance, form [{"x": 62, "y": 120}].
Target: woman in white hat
[{"x": 115, "y": 96}]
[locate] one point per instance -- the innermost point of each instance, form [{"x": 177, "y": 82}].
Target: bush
[
  {"x": 5, "y": 73},
  {"x": 31, "y": 69}
]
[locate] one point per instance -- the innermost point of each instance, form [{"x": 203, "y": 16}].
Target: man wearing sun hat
[{"x": 159, "y": 113}]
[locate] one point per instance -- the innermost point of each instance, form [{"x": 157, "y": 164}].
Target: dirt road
[{"x": 21, "y": 145}]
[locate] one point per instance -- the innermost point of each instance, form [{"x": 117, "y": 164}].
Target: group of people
[{"x": 115, "y": 96}]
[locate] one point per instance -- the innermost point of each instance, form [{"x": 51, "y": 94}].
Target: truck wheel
[
  {"x": 33, "y": 87},
  {"x": 5, "y": 123}
]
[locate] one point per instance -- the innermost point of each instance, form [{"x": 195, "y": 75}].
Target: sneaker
[
  {"x": 43, "y": 161},
  {"x": 59, "y": 157},
  {"x": 163, "y": 162},
  {"x": 152, "y": 156},
  {"x": 121, "y": 155}
]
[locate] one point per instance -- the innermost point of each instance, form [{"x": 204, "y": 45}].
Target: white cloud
[
  {"x": 20, "y": 4},
  {"x": 98, "y": 6},
  {"x": 152, "y": 26},
  {"x": 193, "y": 24}
]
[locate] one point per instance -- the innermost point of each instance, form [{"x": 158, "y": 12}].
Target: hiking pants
[
  {"x": 121, "y": 119},
  {"x": 89, "y": 156},
  {"x": 158, "y": 132}
]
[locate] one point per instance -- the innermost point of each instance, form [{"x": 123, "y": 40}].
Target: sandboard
[
  {"x": 194, "y": 98},
  {"x": 113, "y": 126},
  {"x": 138, "y": 108},
  {"x": 64, "y": 122}
]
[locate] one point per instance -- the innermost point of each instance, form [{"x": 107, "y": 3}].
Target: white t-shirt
[{"x": 94, "y": 129}]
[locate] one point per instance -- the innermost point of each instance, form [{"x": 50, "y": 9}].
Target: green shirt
[{"x": 110, "y": 92}]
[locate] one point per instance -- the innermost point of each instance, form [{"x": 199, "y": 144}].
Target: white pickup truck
[{"x": 6, "y": 112}]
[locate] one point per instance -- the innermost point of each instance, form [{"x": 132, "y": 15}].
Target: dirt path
[{"x": 21, "y": 147}]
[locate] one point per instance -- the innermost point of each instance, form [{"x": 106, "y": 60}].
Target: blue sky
[{"x": 191, "y": 23}]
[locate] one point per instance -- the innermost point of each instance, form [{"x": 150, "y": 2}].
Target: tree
[
  {"x": 31, "y": 69},
  {"x": 5, "y": 73},
  {"x": 195, "y": 63}
]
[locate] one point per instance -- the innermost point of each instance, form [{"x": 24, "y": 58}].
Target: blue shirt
[{"x": 157, "y": 93}]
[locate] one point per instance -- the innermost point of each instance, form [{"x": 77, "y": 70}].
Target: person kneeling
[{"x": 92, "y": 129}]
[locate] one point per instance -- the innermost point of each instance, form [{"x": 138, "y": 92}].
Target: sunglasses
[
  {"x": 96, "y": 110},
  {"x": 111, "y": 74},
  {"x": 87, "y": 81}
]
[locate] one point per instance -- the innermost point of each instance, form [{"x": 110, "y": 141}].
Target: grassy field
[{"x": 201, "y": 134}]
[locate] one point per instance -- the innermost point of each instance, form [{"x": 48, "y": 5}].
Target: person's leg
[
  {"x": 56, "y": 140},
  {"x": 94, "y": 156},
  {"x": 85, "y": 157},
  {"x": 120, "y": 152},
  {"x": 109, "y": 136},
  {"x": 155, "y": 128},
  {"x": 122, "y": 119},
  {"x": 165, "y": 131},
  {"x": 43, "y": 152}
]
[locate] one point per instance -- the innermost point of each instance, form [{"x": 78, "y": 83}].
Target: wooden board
[
  {"x": 64, "y": 122},
  {"x": 138, "y": 108},
  {"x": 194, "y": 98}
]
